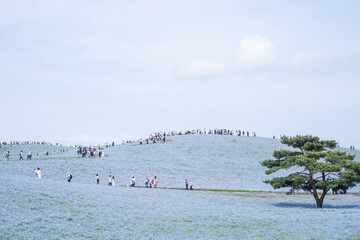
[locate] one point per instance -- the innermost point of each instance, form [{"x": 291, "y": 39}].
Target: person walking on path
[
  {"x": 7, "y": 156},
  {"x": 151, "y": 183},
  {"x": 155, "y": 182},
  {"x": 186, "y": 185},
  {"x": 147, "y": 182},
  {"x": 21, "y": 155},
  {"x": 29, "y": 156}
]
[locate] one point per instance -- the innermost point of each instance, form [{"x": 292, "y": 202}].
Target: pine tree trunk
[
  {"x": 317, "y": 199},
  {"x": 325, "y": 191},
  {"x": 319, "y": 203}
]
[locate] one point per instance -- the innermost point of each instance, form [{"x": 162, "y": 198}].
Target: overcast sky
[{"x": 98, "y": 71}]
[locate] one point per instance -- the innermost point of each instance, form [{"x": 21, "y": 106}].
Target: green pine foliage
[{"x": 316, "y": 167}]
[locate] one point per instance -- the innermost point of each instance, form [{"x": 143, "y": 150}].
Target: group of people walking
[
  {"x": 153, "y": 183},
  {"x": 21, "y": 154},
  {"x": 149, "y": 183},
  {"x": 90, "y": 151},
  {"x": 111, "y": 181},
  {"x": 189, "y": 185},
  {"x": 30, "y": 154}
]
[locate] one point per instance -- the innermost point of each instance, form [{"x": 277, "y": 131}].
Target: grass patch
[
  {"x": 260, "y": 195},
  {"x": 46, "y": 195}
]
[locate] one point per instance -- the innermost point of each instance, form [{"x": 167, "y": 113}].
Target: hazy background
[{"x": 92, "y": 71}]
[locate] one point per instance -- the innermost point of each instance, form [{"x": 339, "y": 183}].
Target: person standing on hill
[
  {"x": 101, "y": 152},
  {"x": 110, "y": 180},
  {"x": 97, "y": 179},
  {"x": 38, "y": 173},
  {"x": 186, "y": 185},
  {"x": 7, "y": 156}
]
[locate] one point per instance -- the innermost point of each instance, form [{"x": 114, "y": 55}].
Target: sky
[{"x": 91, "y": 72}]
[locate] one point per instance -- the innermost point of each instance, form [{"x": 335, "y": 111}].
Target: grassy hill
[
  {"x": 210, "y": 161},
  {"x": 53, "y": 208}
]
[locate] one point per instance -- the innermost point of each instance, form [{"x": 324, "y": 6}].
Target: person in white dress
[{"x": 38, "y": 173}]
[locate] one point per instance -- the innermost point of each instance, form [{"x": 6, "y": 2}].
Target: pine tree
[{"x": 316, "y": 167}]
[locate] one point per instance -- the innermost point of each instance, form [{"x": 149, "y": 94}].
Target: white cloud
[
  {"x": 256, "y": 51},
  {"x": 206, "y": 68}
]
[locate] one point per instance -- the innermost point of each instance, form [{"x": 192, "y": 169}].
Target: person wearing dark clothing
[
  {"x": 69, "y": 177},
  {"x": 97, "y": 179}
]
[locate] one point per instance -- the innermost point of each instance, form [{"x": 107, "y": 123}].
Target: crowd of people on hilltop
[
  {"x": 215, "y": 131},
  {"x": 157, "y": 137}
]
